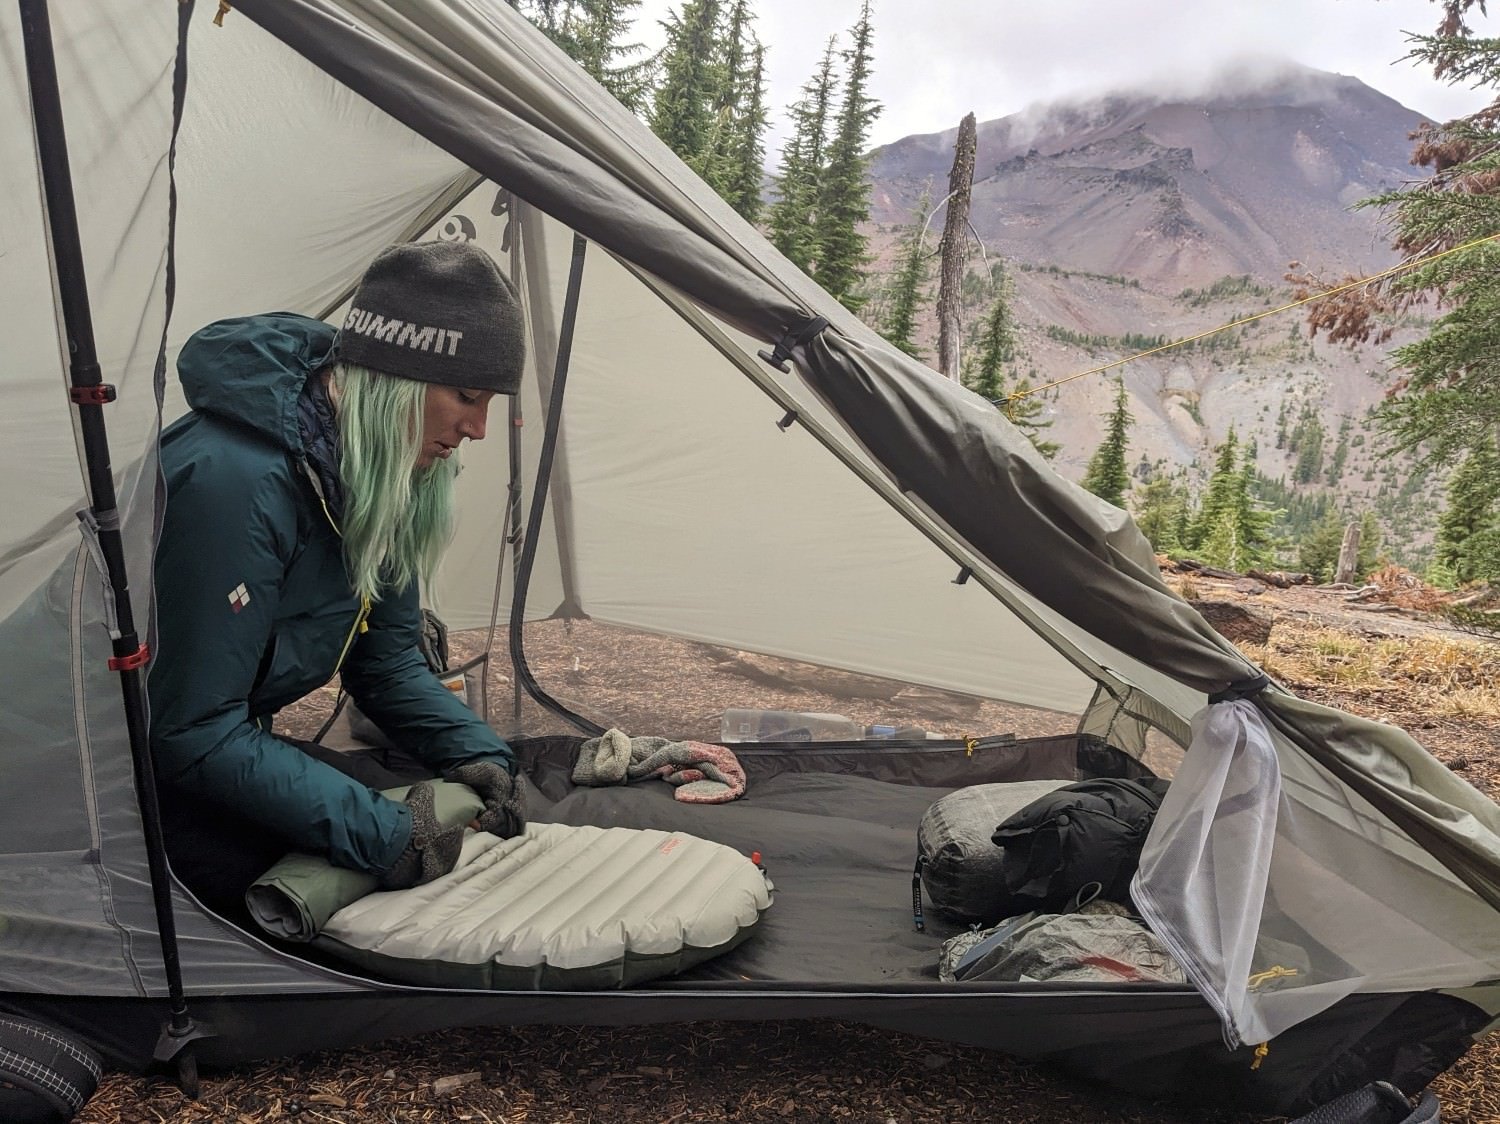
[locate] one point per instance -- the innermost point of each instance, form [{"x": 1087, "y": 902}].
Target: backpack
[{"x": 1091, "y": 831}]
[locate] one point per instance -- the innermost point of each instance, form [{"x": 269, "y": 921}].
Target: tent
[{"x": 707, "y": 447}]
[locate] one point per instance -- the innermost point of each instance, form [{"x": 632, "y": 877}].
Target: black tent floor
[{"x": 836, "y": 827}]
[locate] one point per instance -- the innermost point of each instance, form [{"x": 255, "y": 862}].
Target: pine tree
[
  {"x": 1230, "y": 529},
  {"x": 1369, "y": 543},
  {"x": 803, "y": 165},
  {"x": 997, "y": 344},
  {"x": 593, "y": 33},
  {"x": 1448, "y": 400},
  {"x": 1318, "y": 552},
  {"x": 1219, "y": 496},
  {"x": 599, "y": 46},
  {"x": 1025, "y": 411},
  {"x": 1473, "y": 491},
  {"x": 715, "y": 162},
  {"x": 1186, "y": 519},
  {"x": 844, "y": 196},
  {"x": 1252, "y": 523},
  {"x": 746, "y": 155},
  {"x": 1220, "y": 544},
  {"x": 1158, "y": 507},
  {"x": 1107, "y": 475},
  {"x": 899, "y": 324},
  {"x": 1307, "y": 442},
  {"x": 682, "y": 112}
]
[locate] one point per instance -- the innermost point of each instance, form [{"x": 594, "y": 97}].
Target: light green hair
[{"x": 397, "y": 518}]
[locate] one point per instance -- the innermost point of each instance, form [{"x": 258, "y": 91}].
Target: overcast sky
[{"x": 936, "y": 60}]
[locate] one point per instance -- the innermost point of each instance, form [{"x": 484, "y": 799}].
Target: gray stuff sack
[
  {"x": 958, "y": 864},
  {"x": 1100, "y": 942}
]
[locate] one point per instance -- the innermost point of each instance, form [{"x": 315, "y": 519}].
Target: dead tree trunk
[
  {"x": 955, "y": 237},
  {"x": 1348, "y": 554}
]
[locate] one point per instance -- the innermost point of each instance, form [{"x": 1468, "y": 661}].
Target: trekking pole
[{"x": 90, "y": 393}]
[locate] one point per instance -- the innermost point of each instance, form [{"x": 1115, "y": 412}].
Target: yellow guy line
[{"x": 1011, "y": 398}]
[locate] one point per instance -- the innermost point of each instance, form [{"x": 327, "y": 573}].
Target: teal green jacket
[{"x": 254, "y": 609}]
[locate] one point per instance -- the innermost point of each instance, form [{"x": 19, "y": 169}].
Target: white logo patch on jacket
[{"x": 239, "y": 597}]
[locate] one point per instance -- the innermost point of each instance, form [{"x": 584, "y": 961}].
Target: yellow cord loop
[
  {"x": 1260, "y": 1054},
  {"x": 1275, "y": 972},
  {"x": 1010, "y": 400},
  {"x": 223, "y": 11},
  {"x": 971, "y": 743}
]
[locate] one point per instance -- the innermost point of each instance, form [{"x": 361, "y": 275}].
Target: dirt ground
[{"x": 778, "y": 1071}]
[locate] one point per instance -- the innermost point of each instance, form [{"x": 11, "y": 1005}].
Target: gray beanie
[{"x": 437, "y": 312}]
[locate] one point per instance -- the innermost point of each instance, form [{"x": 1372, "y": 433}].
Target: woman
[{"x": 309, "y": 494}]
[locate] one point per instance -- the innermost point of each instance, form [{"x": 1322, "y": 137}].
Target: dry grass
[
  {"x": 1458, "y": 676},
  {"x": 1184, "y": 586}
]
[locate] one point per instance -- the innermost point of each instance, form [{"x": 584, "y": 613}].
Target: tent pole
[
  {"x": 522, "y": 577},
  {"x": 513, "y": 530},
  {"x": 90, "y": 394}
]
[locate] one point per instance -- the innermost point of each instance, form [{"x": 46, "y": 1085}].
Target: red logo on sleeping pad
[{"x": 669, "y": 846}]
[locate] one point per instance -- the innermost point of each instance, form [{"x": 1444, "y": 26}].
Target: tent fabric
[
  {"x": 314, "y": 133},
  {"x": 1256, "y": 850},
  {"x": 1202, "y": 880},
  {"x": 1444, "y": 814}
]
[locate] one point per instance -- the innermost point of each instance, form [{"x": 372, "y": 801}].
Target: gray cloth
[
  {"x": 1100, "y": 942},
  {"x": 703, "y": 773},
  {"x": 437, "y": 312}
]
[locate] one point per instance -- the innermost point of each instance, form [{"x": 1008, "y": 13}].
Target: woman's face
[{"x": 452, "y": 414}]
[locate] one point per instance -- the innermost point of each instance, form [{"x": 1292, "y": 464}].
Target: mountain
[
  {"x": 1138, "y": 218},
  {"x": 1177, "y": 193}
]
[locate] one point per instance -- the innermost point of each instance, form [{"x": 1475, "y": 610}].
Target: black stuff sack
[
  {"x": 1088, "y": 832},
  {"x": 957, "y": 864}
]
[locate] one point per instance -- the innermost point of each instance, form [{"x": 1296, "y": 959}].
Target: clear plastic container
[{"x": 787, "y": 726}]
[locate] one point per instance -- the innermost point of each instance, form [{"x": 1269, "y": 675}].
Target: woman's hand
[
  {"x": 503, "y": 814},
  {"x": 432, "y": 850}
]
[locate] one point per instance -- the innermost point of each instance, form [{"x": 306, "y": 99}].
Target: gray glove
[
  {"x": 503, "y": 814},
  {"x": 433, "y": 848}
]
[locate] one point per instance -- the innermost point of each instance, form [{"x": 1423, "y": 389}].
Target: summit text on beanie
[{"x": 438, "y": 312}]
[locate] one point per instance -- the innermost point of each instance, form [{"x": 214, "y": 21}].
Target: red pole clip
[
  {"x": 138, "y": 658},
  {"x": 96, "y": 395}
]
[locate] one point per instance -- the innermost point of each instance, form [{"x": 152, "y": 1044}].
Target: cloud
[{"x": 934, "y": 62}]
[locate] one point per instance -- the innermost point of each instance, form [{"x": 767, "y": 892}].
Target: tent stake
[{"x": 91, "y": 394}]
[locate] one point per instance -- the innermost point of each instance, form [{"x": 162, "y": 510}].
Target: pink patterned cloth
[{"x": 717, "y": 777}]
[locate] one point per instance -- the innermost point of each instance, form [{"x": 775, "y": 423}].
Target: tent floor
[
  {"x": 836, "y": 826},
  {"x": 839, "y": 850}
]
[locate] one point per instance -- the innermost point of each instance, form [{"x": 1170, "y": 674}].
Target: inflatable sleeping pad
[{"x": 557, "y": 907}]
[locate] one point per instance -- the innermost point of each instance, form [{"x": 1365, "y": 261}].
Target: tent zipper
[{"x": 876, "y": 745}]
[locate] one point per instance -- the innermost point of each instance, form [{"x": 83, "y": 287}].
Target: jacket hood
[{"x": 250, "y": 370}]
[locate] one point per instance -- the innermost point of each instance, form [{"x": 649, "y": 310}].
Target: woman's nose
[{"x": 473, "y": 426}]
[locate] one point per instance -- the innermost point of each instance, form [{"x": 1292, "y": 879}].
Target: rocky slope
[{"x": 1135, "y": 219}]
